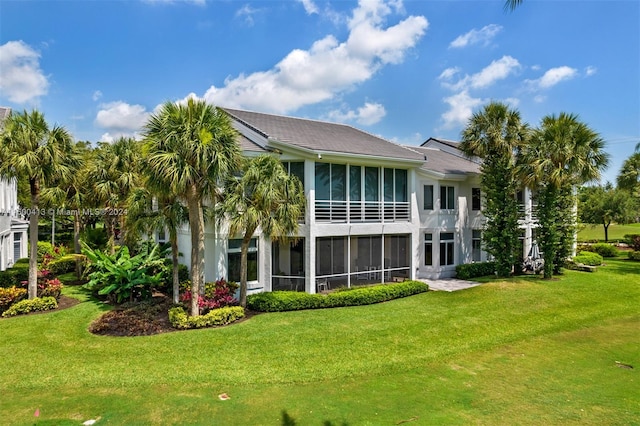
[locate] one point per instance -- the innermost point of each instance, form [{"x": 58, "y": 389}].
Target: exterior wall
[{"x": 13, "y": 230}]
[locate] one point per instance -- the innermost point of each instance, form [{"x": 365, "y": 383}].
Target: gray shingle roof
[
  {"x": 320, "y": 136},
  {"x": 247, "y": 145},
  {"x": 443, "y": 162}
]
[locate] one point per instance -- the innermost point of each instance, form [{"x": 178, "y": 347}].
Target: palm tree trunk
[
  {"x": 196, "y": 223},
  {"x": 33, "y": 238},
  {"x": 174, "y": 261}
]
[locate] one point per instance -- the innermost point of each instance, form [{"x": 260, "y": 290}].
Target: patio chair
[{"x": 322, "y": 284}]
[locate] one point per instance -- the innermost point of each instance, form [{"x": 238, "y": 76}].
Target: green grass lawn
[
  {"x": 616, "y": 232},
  {"x": 518, "y": 351}
]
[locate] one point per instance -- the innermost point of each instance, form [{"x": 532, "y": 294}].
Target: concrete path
[{"x": 450, "y": 284}]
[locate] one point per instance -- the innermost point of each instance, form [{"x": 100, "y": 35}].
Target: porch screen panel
[
  {"x": 338, "y": 182},
  {"x": 323, "y": 181},
  {"x": 355, "y": 189},
  {"x": 401, "y": 185},
  {"x": 388, "y": 185},
  {"x": 371, "y": 184}
]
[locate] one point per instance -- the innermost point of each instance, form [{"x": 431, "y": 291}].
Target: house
[
  {"x": 13, "y": 230},
  {"x": 376, "y": 211}
]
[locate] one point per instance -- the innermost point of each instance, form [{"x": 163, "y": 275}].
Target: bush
[
  {"x": 633, "y": 240},
  {"x": 588, "y": 258},
  {"x": 31, "y": 305},
  {"x": 44, "y": 248},
  {"x": 222, "y": 316},
  {"x": 11, "y": 295},
  {"x": 96, "y": 238},
  {"x": 216, "y": 295},
  {"x": 23, "y": 261},
  {"x": 605, "y": 250},
  {"x": 14, "y": 276},
  {"x": 472, "y": 270},
  {"x": 64, "y": 264},
  {"x": 279, "y": 301},
  {"x": 634, "y": 255}
]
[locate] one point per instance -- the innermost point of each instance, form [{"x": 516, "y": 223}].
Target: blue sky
[{"x": 402, "y": 70}]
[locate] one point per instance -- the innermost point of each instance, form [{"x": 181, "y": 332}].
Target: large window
[
  {"x": 476, "y": 245},
  {"x": 287, "y": 265},
  {"x": 428, "y": 249},
  {"x": 233, "y": 259},
  {"x": 475, "y": 198},
  {"x": 428, "y": 197},
  {"x": 446, "y": 248},
  {"x": 447, "y": 198},
  {"x": 331, "y": 254},
  {"x": 295, "y": 168},
  {"x": 17, "y": 245}
]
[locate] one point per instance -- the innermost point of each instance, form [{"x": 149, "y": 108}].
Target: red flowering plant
[
  {"x": 47, "y": 284},
  {"x": 216, "y": 295}
]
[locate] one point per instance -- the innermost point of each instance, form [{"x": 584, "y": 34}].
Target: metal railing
[{"x": 362, "y": 211}]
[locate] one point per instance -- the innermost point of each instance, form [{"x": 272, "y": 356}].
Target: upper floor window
[
  {"x": 475, "y": 198},
  {"x": 295, "y": 168},
  {"x": 395, "y": 185},
  {"x": 428, "y": 197},
  {"x": 447, "y": 198}
]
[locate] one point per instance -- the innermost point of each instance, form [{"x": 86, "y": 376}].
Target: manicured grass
[
  {"x": 518, "y": 351},
  {"x": 616, "y": 232}
]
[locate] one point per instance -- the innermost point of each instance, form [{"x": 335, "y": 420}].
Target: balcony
[{"x": 362, "y": 211}]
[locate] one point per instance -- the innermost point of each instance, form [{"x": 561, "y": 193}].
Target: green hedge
[
  {"x": 13, "y": 276},
  {"x": 473, "y": 270},
  {"x": 66, "y": 263},
  {"x": 31, "y": 305},
  {"x": 222, "y": 316},
  {"x": 605, "y": 250},
  {"x": 279, "y": 301},
  {"x": 588, "y": 258},
  {"x": 633, "y": 240},
  {"x": 634, "y": 255}
]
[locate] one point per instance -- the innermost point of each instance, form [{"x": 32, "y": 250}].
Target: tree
[
  {"x": 265, "y": 196},
  {"x": 30, "y": 149},
  {"x": 606, "y": 205},
  {"x": 629, "y": 176},
  {"x": 563, "y": 152},
  {"x": 190, "y": 148},
  {"x": 511, "y": 5},
  {"x": 495, "y": 135}
]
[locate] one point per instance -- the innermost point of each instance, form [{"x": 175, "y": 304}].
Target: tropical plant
[
  {"x": 629, "y": 176},
  {"x": 189, "y": 150},
  {"x": 31, "y": 149},
  {"x": 122, "y": 277},
  {"x": 563, "y": 152},
  {"x": 495, "y": 135},
  {"x": 265, "y": 196}
]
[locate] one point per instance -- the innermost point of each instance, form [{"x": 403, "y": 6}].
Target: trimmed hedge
[
  {"x": 222, "y": 316},
  {"x": 279, "y": 301},
  {"x": 634, "y": 255},
  {"x": 13, "y": 276},
  {"x": 588, "y": 258},
  {"x": 31, "y": 305},
  {"x": 605, "y": 250},
  {"x": 472, "y": 270},
  {"x": 66, "y": 263}
]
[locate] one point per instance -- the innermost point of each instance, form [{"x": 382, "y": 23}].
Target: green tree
[
  {"x": 495, "y": 135},
  {"x": 265, "y": 196},
  {"x": 190, "y": 148},
  {"x": 31, "y": 149},
  {"x": 629, "y": 176},
  {"x": 606, "y": 205},
  {"x": 563, "y": 152}
]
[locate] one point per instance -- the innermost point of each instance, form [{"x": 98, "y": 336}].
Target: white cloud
[
  {"x": 96, "y": 95},
  {"x": 461, "y": 107},
  {"x": 309, "y": 6},
  {"x": 21, "y": 79},
  {"x": 552, "y": 77},
  {"x": 368, "y": 114},
  {"x": 247, "y": 12},
  {"x": 590, "y": 70},
  {"x": 483, "y": 35},
  {"x": 539, "y": 99},
  {"x": 305, "y": 77},
  {"x": 121, "y": 118},
  {"x": 449, "y": 73},
  {"x": 414, "y": 139},
  {"x": 495, "y": 71},
  {"x": 196, "y": 2}
]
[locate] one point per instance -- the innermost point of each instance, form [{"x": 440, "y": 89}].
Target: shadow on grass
[{"x": 287, "y": 420}]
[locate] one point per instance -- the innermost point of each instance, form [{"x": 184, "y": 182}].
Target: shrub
[
  {"x": 23, "y": 261},
  {"x": 44, "y": 248},
  {"x": 96, "y": 238},
  {"x": 588, "y": 258},
  {"x": 278, "y": 301},
  {"x": 11, "y": 295},
  {"x": 14, "y": 276},
  {"x": 50, "y": 288},
  {"x": 605, "y": 250},
  {"x": 64, "y": 264},
  {"x": 216, "y": 295},
  {"x": 472, "y": 270},
  {"x": 633, "y": 240},
  {"x": 634, "y": 255},
  {"x": 222, "y": 316},
  {"x": 31, "y": 305}
]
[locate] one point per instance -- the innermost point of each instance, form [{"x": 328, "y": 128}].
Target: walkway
[{"x": 449, "y": 284}]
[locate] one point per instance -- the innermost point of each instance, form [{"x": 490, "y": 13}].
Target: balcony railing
[{"x": 362, "y": 211}]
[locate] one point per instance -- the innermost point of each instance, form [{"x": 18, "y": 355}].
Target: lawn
[
  {"x": 518, "y": 351},
  {"x": 616, "y": 232}
]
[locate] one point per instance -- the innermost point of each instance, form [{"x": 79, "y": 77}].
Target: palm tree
[
  {"x": 563, "y": 153},
  {"x": 265, "y": 196},
  {"x": 495, "y": 135},
  {"x": 511, "y": 5},
  {"x": 190, "y": 148},
  {"x": 170, "y": 214},
  {"x": 30, "y": 148},
  {"x": 629, "y": 176}
]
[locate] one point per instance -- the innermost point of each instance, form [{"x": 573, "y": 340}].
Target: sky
[{"x": 403, "y": 70}]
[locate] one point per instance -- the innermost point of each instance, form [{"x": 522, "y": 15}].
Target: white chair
[{"x": 322, "y": 285}]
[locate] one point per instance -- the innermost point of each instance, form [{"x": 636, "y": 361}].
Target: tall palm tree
[
  {"x": 265, "y": 196},
  {"x": 495, "y": 135},
  {"x": 190, "y": 148},
  {"x": 563, "y": 152},
  {"x": 511, "y": 5},
  {"x": 169, "y": 214},
  {"x": 629, "y": 176},
  {"x": 30, "y": 148}
]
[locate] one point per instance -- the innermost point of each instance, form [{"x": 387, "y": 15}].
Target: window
[
  {"x": 17, "y": 246},
  {"x": 233, "y": 260},
  {"x": 330, "y": 181},
  {"x": 446, "y": 248},
  {"x": 428, "y": 197},
  {"x": 475, "y": 198},
  {"x": 428, "y": 249},
  {"x": 162, "y": 236},
  {"x": 295, "y": 168},
  {"x": 476, "y": 245},
  {"x": 447, "y": 198},
  {"x": 331, "y": 256}
]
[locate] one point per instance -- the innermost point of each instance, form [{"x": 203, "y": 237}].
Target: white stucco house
[
  {"x": 13, "y": 230},
  {"x": 377, "y": 211}
]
